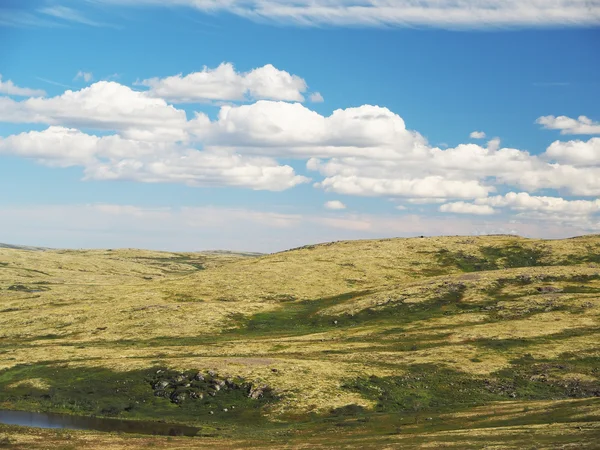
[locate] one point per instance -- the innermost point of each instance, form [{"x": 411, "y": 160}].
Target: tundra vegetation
[{"x": 459, "y": 342}]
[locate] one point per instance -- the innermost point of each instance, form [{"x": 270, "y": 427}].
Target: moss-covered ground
[{"x": 460, "y": 342}]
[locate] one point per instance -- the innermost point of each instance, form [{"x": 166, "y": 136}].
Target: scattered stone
[{"x": 180, "y": 387}]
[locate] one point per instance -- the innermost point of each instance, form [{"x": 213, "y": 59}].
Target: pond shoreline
[{"x": 72, "y": 422}]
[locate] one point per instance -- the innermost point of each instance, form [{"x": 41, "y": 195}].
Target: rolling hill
[{"x": 460, "y": 342}]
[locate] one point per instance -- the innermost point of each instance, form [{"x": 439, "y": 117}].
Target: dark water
[{"x": 51, "y": 420}]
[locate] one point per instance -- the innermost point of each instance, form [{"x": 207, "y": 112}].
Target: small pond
[{"x": 52, "y": 420}]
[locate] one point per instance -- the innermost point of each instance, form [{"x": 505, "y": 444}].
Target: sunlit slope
[
  {"x": 396, "y": 327},
  {"x": 334, "y": 268}
]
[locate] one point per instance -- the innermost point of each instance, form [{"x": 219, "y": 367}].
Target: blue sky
[{"x": 262, "y": 126}]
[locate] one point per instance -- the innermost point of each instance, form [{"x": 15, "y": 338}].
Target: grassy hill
[{"x": 450, "y": 341}]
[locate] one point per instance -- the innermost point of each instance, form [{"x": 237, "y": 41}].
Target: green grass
[
  {"x": 430, "y": 388},
  {"x": 493, "y": 258},
  {"x": 128, "y": 395}
]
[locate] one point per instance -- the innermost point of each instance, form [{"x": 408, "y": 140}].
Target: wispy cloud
[
  {"x": 55, "y": 83},
  {"x": 70, "y": 15},
  {"x": 479, "y": 14},
  {"x": 10, "y": 17}
]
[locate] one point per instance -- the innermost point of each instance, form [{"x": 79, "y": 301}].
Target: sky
[{"x": 263, "y": 125}]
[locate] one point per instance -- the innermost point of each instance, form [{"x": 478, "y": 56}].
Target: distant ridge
[
  {"x": 23, "y": 247},
  {"x": 229, "y": 252},
  {"x": 206, "y": 252}
]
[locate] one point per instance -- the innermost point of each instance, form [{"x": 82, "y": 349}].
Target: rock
[
  {"x": 211, "y": 412},
  {"x": 178, "y": 397},
  {"x": 161, "y": 385},
  {"x": 225, "y": 410},
  {"x": 257, "y": 392},
  {"x": 199, "y": 377},
  {"x": 212, "y": 373}
]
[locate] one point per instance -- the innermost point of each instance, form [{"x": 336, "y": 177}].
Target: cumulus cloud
[
  {"x": 85, "y": 76},
  {"x": 9, "y": 88},
  {"x": 267, "y": 126},
  {"x": 365, "y": 151},
  {"x": 224, "y": 83},
  {"x": 402, "y": 13},
  {"x": 115, "y": 158},
  {"x": 104, "y": 105},
  {"x": 477, "y": 135},
  {"x": 369, "y": 151},
  {"x": 568, "y": 125},
  {"x": 467, "y": 208},
  {"x": 577, "y": 153},
  {"x": 334, "y": 204}
]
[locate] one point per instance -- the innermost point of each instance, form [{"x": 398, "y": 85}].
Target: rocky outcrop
[{"x": 180, "y": 387}]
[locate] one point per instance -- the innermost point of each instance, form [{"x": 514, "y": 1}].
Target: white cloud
[
  {"x": 432, "y": 186},
  {"x": 365, "y": 150},
  {"x": 368, "y": 151},
  {"x": 467, "y": 208},
  {"x": 224, "y": 83},
  {"x": 9, "y": 88},
  {"x": 316, "y": 97},
  {"x": 405, "y": 13},
  {"x": 334, "y": 204},
  {"x": 292, "y": 128},
  {"x": 577, "y": 153},
  {"x": 103, "y": 105},
  {"x": 567, "y": 125},
  {"x": 477, "y": 135},
  {"x": 85, "y": 76},
  {"x": 525, "y": 202},
  {"x": 115, "y": 158}
]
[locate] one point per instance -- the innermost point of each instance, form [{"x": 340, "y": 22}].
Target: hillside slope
[{"x": 397, "y": 340}]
